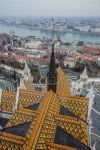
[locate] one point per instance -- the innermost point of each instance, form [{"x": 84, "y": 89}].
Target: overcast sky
[{"x": 49, "y": 7}]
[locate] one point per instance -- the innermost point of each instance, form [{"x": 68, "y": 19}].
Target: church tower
[
  {"x": 84, "y": 76},
  {"x": 52, "y": 24},
  {"x": 52, "y": 74}
]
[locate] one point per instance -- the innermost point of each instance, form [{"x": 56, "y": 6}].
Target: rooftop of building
[
  {"x": 43, "y": 117},
  {"x": 53, "y": 119}
]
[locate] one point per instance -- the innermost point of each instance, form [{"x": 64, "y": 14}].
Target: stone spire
[
  {"x": 27, "y": 73},
  {"x": 94, "y": 146},
  {"x": 22, "y": 84},
  {"x": 14, "y": 76},
  {"x": 84, "y": 76},
  {"x": 52, "y": 24},
  {"x": 52, "y": 74},
  {"x": 90, "y": 95}
]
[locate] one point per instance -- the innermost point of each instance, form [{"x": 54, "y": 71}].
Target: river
[{"x": 69, "y": 37}]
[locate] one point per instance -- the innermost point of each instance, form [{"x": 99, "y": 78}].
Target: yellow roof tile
[
  {"x": 77, "y": 105},
  {"x": 29, "y": 97},
  {"x": 8, "y": 100},
  {"x": 20, "y": 117},
  {"x": 59, "y": 147},
  {"x": 44, "y": 121},
  {"x": 63, "y": 86},
  {"x": 73, "y": 126}
]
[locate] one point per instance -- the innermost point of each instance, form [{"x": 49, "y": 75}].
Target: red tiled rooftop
[
  {"x": 34, "y": 59},
  {"x": 91, "y": 49}
]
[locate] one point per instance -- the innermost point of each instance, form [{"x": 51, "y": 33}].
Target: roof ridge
[{"x": 15, "y": 138}]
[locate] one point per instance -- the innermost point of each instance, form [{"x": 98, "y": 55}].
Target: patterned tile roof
[
  {"x": 53, "y": 146},
  {"x": 7, "y": 101},
  {"x": 76, "y": 104},
  {"x": 65, "y": 138},
  {"x": 11, "y": 142},
  {"x": 21, "y": 116},
  {"x": 40, "y": 125},
  {"x": 74, "y": 127},
  {"x": 44, "y": 122},
  {"x": 30, "y": 97},
  {"x": 66, "y": 112},
  {"x": 20, "y": 129},
  {"x": 29, "y": 85},
  {"x": 33, "y": 107},
  {"x": 63, "y": 86}
]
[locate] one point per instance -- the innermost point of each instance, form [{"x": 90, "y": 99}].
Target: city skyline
[{"x": 77, "y": 8}]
